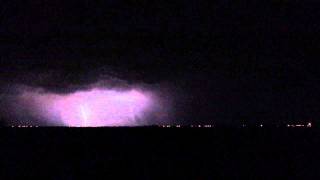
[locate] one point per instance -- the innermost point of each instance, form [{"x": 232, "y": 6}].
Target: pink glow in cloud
[{"x": 92, "y": 108}]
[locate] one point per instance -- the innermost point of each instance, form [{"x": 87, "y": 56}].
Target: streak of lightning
[{"x": 84, "y": 115}]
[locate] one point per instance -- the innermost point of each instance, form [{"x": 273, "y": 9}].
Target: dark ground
[{"x": 149, "y": 153}]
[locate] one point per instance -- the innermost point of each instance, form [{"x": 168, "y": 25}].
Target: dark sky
[{"x": 233, "y": 61}]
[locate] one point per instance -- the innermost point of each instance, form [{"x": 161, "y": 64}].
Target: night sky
[{"x": 220, "y": 62}]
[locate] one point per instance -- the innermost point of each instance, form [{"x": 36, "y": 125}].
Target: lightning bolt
[{"x": 84, "y": 115}]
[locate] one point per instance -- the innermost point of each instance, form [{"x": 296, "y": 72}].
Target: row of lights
[
  {"x": 178, "y": 126},
  {"x": 299, "y": 125},
  {"x": 199, "y": 126},
  {"x": 24, "y": 126},
  {"x": 244, "y": 125},
  {"x": 289, "y": 125}
]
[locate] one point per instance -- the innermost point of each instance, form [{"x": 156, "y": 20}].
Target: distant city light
[
  {"x": 309, "y": 124},
  {"x": 300, "y": 125}
]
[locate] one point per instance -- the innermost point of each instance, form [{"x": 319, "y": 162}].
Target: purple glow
[
  {"x": 96, "y": 107},
  {"x": 100, "y": 108}
]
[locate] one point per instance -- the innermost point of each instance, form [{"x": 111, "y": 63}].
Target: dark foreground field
[{"x": 162, "y": 153}]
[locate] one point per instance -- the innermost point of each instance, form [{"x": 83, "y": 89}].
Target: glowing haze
[{"x": 91, "y": 108}]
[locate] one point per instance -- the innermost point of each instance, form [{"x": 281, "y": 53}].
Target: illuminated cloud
[
  {"x": 101, "y": 107},
  {"x": 92, "y": 108}
]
